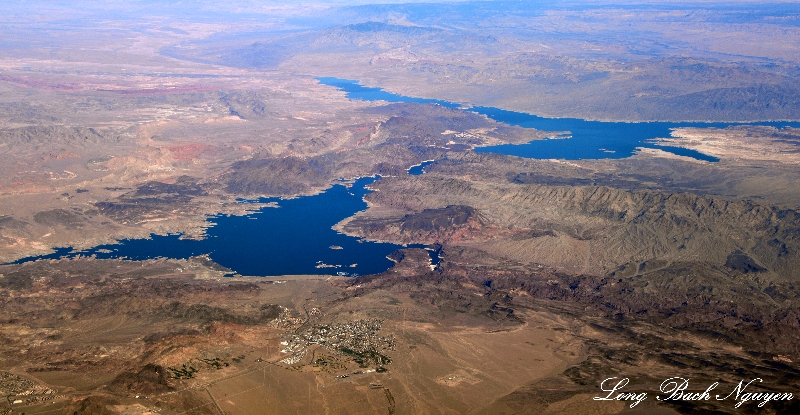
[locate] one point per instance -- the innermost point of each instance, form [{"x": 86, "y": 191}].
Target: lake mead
[{"x": 585, "y": 140}]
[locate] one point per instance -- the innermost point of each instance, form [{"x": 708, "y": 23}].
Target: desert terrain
[{"x": 126, "y": 121}]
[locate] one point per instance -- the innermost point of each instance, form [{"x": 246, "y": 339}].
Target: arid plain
[{"x": 125, "y": 121}]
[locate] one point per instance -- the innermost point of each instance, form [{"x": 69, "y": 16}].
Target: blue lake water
[
  {"x": 295, "y": 238},
  {"x": 588, "y": 139},
  {"x": 419, "y": 168},
  {"x": 357, "y": 91}
]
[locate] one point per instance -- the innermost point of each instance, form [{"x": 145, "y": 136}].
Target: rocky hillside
[{"x": 595, "y": 229}]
